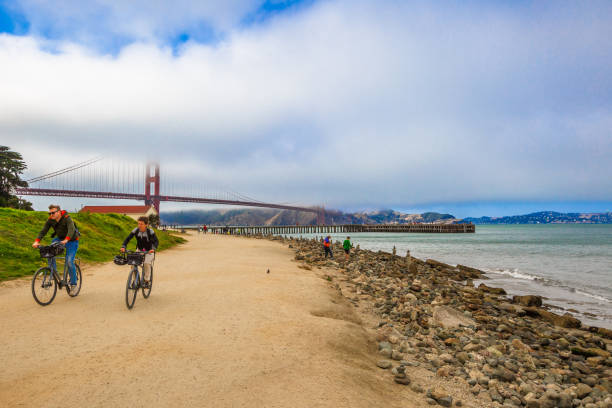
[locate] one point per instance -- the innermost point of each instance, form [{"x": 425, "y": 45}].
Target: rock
[
  {"x": 402, "y": 380},
  {"x": 531, "y": 400},
  {"x": 489, "y": 289},
  {"x": 436, "y": 264},
  {"x": 504, "y": 374},
  {"x": 520, "y": 346},
  {"x": 590, "y": 352},
  {"x": 529, "y": 300},
  {"x": 526, "y": 388},
  {"x": 472, "y": 272},
  {"x": 417, "y": 388},
  {"x": 494, "y": 351},
  {"x": 437, "y": 393},
  {"x": 446, "y": 401},
  {"x": 448, "y": 317},
  {"x": 386, "y": 352},
  {"x": 567, "y": 320},
  {"x": 396, "y": 355},
  {"x": 384, "y": 364},
  {"x": 462, "y": 357},
  {"x": 582, "y": 390},
  {"x": 443, "y": 371}
]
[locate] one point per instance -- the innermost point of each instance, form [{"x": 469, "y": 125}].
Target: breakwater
[
  {"x": 345, "y": 228},
  {"x": 502, "y": 350}
]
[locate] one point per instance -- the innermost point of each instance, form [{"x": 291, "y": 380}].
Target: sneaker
[
  {"x": 73, "y": 288},
  {"x": 146, "y": 284}
]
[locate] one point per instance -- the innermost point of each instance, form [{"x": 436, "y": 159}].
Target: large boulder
[
  {"x": 567, "y": 320},
  {"x": 489, "y": 289},
  {"x": 448, "y": 317},
  {"x": 471, "y": 272},
  {"x": 529, "y": 300}
]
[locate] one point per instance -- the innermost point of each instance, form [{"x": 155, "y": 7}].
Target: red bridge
[{"x": 88, "y": 179}]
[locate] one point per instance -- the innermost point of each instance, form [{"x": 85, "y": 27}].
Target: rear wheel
[
  {"x": 77, "y": 289},
  {"x": 131, "y": 287},
  {"x": 146, "y": 291},
  {"x": 44, "y": 287}
]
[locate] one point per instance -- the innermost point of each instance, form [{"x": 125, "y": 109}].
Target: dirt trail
[{"x": 217, "y": 331}]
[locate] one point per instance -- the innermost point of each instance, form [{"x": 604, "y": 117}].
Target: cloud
[{"x": 351, "y": 104}]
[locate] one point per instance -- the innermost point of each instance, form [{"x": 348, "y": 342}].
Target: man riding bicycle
[
  {"x": 146, "y": 240},
  {"x": 66, "y": 232}
]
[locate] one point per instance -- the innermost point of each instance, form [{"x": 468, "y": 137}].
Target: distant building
[{"x": 132, "y": 211}]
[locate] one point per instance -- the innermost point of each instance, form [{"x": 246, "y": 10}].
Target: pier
[{"x": 330, "y": 229}]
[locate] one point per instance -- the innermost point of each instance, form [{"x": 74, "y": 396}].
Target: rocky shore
[{"x": 508, "y": 352}]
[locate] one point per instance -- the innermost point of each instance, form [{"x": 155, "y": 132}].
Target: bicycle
[
  {"x": 46, "y": 279},
  {"x": 135, "y": 278}
]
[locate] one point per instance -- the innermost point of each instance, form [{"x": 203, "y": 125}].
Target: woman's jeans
[{"x": 71, "y": 250}]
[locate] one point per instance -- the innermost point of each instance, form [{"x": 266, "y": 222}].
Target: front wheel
[
  {"x": 131, "y": 288},
  {"x": 44, "y": 286},
  {"x": 76, "y": 291}
]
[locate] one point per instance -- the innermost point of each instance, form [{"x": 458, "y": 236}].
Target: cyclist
[
  {"x": 146, "y": 240},
  {"x": 64, "y": 231}
]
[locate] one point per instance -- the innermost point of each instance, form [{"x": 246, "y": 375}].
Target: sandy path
[{"x": 216, "y": 331}]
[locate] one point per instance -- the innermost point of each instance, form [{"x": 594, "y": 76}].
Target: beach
[{"x": 219, "y": 330}]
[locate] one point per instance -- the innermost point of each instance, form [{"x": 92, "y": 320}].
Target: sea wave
[{"x": 515, "y": 273}]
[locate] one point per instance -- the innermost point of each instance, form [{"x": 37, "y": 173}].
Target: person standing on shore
[
  {"x": 327, "y": 247},
  {"x": 347, "y": 247}
]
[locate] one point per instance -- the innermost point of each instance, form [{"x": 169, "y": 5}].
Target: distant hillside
[
  {"x": 546, "y": 217},
  {"x": 283, "y": 217}
]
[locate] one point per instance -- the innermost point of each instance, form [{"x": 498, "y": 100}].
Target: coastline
[{"x": 509, "y": 351}]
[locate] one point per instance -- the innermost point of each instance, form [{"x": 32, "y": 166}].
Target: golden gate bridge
[{"x": 97, "y": 178}]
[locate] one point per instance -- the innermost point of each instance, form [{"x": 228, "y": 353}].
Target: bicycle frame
[{"x": 63, "y": 281}]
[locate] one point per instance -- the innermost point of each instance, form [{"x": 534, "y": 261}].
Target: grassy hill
[{"x": 101, "y": 237}]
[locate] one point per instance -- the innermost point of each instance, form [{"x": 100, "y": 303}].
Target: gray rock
[
  {"x": 384, "y": 364},
  {"x": 402, "y": 380},
  {"x": 448, "y": 317},
  {"x": 417, "y": 388}
]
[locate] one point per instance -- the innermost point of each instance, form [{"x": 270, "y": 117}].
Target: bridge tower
[
  {"x": 321, "y": 216},
  {"x": 152, "y": 177}
]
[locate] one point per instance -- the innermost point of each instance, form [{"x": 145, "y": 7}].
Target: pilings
[{"x": 347, "y": 228}]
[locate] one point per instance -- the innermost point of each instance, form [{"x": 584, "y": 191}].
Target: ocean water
[{"x": 570, "y": 265}]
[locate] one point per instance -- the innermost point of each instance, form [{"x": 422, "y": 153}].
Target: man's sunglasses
[{"x": 52, "y": 212}]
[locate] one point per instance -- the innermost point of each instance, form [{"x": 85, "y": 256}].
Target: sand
[{"x": 217, "y": 331}]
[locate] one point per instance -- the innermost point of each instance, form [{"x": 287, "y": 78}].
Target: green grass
[{"x": 101, "y": 238}]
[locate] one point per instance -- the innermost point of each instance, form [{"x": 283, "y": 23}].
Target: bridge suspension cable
[{"x": 65, "y": 170}]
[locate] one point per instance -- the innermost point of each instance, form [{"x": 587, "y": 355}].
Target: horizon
[{"x": 473, "y": 109}]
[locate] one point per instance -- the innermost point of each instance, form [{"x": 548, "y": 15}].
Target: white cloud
[{"x": 346, "y": 103}]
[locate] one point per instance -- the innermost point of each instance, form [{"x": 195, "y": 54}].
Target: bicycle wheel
[
  {"x": 75, "y": 292},
  {"x": 146, "y": 291},
  {"x": 131, "y": 288},
  {"x": 44, "y": 286}
]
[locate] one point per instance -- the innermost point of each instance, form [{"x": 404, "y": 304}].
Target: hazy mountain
[
  {"x": 284, "y": 217},
  {"x": 546, "y": 217}
]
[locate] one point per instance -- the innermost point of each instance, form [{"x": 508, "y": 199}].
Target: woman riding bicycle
[
  {"x": 66, "y": 232},
  {"x": 146, "y": 240}
]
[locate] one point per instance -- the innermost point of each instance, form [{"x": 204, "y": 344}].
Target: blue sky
[{"x": 473, "y": 108}]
